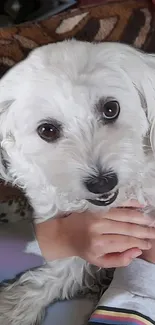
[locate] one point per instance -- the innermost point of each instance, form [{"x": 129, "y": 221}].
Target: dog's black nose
[{"x": 102, "y": 183}]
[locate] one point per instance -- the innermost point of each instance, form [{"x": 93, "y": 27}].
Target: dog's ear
[
  {"x": 4, "y": 138},
  {"x": 150, "y": 114},
  {"x": 9, "y": 89},
  {"x": 149, "y": 92},
  {"x": 141, "y": 70},
  {"x": 147, "y": 86}
]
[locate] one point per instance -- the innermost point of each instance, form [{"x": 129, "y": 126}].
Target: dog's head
[{"x": 73, "y": 121}]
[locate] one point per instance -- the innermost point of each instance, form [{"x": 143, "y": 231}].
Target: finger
[
  {"x": 123, "y": 228},
  {"x": 132, "y": 204},
  {"x": 128, "y": 215},
  {"x": 120, "y": 243},
  {"x": 118, "y": 259}
]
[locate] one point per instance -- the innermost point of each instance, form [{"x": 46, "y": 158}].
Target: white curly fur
[{"x": 64, "y": 82}]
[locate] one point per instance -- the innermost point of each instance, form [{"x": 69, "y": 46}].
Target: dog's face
[{"x": 74, "y": 126}]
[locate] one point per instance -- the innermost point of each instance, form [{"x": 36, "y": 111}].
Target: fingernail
[{"x": 136, "y": 254}]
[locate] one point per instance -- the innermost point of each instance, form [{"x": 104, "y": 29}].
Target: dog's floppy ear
[
  {"x": 147, "y": 86},
  {"x": 150, "y": 114},
  {"x": 142, "y": 73},
  {"x": 152, "y": 136},
  {"x": 149, "y": 93},
  {"x": 4, "y": 136},
  {"x": 9, "y": 89}
]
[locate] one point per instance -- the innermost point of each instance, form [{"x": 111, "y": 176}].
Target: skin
[
  {"x": 107, "y": 240},
  {"x": 149, "y": 255}
]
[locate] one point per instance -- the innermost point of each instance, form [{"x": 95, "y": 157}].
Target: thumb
[{"x": 114, "y": 260}]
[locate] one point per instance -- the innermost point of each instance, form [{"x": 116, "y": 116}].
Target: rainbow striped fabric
[{"x": 117, "y": 316}]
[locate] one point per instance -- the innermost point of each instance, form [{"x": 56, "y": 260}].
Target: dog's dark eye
[
  {"x": 48, "y": 132},
  {"x": 110, "y": 110}
]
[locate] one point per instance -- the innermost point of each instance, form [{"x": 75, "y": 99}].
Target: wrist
[{"x": 53, "y": 239}]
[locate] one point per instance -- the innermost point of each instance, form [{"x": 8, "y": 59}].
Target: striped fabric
[{"x": 116, "y": 316}]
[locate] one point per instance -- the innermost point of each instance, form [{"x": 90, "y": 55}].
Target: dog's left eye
[
  {"x": 48, "y": 132},
  {"x": 110, "y": 110}
]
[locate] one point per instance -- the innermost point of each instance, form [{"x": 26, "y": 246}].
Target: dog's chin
[{"x": 105, "y": 199}]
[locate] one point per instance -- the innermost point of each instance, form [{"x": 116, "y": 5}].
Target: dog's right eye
[{"x": 48, "y": 132}]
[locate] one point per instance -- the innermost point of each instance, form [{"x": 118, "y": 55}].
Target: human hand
[{"x": 111, "y": 239}]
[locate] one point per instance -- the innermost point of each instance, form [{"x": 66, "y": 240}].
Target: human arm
[
  {"x": 86, "y": 235},
  {"x": 108, "y": 240}
]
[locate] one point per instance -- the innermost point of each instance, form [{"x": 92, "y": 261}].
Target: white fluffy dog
[{"x": 77, "y": 130}]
